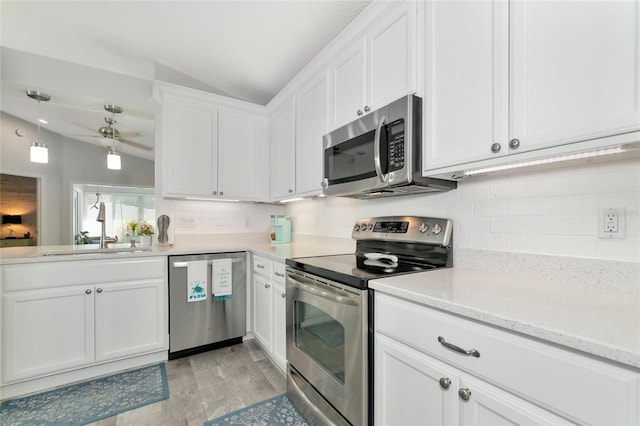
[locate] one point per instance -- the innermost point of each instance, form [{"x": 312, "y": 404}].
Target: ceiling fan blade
[{"x": 135, "y": 144}]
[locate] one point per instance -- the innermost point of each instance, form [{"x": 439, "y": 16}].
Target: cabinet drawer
[
  {"x": 577, "y": 386},
  {"x": 263, "y": 266},
  {"x": 30, "y": 276},
  {"x": 278, "y": 272}
]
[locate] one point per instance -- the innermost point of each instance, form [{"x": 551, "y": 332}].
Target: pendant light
[
  {"x": 113, "y": 158},
  {"x": 38, "y": 152}
]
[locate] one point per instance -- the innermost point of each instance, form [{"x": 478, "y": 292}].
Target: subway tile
[
  {"x": 584, "y": 225},
  {"x": 473, "y": 224},
  {"x": 628, "y": 249},
  {"x": 566, "y": 245},
  {"x": 547, "y": 225},
  {"x": 490, "y": 208},
  {"x": 526, "y": 243},
  {"x": 507, "y": 188},
  {"x": 571, "y": 206},
  {"x": 527, "y": 207},
  {"x": 507, "y": 225},
  {"x": 473, "y": 189},
  {"x": 488, "y": 241}
]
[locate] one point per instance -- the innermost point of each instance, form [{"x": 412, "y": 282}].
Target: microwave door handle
[{"x": 376, "y": 149}]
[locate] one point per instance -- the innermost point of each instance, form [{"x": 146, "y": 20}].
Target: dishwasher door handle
[{"x": 209, "y": 262}]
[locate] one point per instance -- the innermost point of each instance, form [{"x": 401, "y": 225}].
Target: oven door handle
[
  {"x": 325, "y": 293},
  {"x": 376, "y": 149}
]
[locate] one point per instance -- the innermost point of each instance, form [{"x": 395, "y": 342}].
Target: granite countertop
[{"x": 598, "y": 321}]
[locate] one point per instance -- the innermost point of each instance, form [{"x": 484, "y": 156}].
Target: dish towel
[
  {"x": 197, "y": 281},
  {"x": 222, "y": 279}
]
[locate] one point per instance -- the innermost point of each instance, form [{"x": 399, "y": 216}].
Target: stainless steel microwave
[{"x": 379, "y": 154}]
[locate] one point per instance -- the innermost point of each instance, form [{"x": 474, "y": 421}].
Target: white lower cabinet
[
  {"x": 269, "y": 308},
  {"x": 514, "y": 380},
  {"x": 49, "y": 327}
]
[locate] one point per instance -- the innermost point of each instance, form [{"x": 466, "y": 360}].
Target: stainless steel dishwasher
[{"x": 208, "y": 323}]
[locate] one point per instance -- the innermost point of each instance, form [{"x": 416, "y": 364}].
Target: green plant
[
  {"x": 145, "y": 229},
  {"x": 83, "y": 238}
]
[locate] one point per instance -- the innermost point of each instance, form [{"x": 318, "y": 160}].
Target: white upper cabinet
[
  {"x": 504, "y": 78},
  {"x": 211, "y": 147},
  {"x": 283, "y": 141},
  {"x": 189, "y": 148},
  {"x": 243, "y": 150},
  {"x": 377, "y": 69},
  {"x": 465, "y": 104},
  {"x": 575, "y": 71},
  {"x": 312, "y": 126}
]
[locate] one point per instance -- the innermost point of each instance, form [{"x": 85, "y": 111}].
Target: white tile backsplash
[{"x": 551, "y": 211}]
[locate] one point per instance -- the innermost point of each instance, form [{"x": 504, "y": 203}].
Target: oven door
[{"x": 327, "y": 340}]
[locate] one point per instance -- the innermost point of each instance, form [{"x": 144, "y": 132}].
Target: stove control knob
[
  {"x": 370, "y": 227},
  {"x": 436, "y": 229},
  {"x": 423, "y": 227},
  {"x": 356, "y": 228}
]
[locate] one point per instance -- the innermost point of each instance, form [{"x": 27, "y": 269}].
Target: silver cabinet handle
[
  {"x": 496, "y": 147},
  {"x": 445, "y": 382},
  {"x": 376, "y": 149},
  {"x": 308, "y": 286},
  {"x": 514, "y": 143},
  {"x": 267, "y": 286},
  {"x": 291, "y": 191},
  {"x": 464, "y": 393},
  {"x": 87, "y": 291},
  {"x": 366, "y": 108},
  {"x": 360, "y": 112},
  {"x": 284, "y": 295},
  {"x": 450, "y": 346},
  {"x": 279, "y": 274},
  {"x": 221, "y": 193},
  {"x": 215, "y": 192},
  {"x": 99, "y": 290},
  {"x": 259, "y": 266}
]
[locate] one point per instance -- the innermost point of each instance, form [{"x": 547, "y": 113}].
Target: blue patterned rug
[
  {"x": 273, "y": 411},
  {"x": 90, "y": 401}
]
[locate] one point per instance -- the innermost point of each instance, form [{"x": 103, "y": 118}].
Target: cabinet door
[
  {"x": 465, "y": 104},
  {"x": 575, "y": 71},
  {"x": 130, "y": 318},
  {"x": 312, "y": 126},
  {"x": 243, "y": 155},
  {"x": 408, "y": 389},
  {"x": 280, "y": 325},
  {"x": 283, "y": 136},
  {"x": 263, "y": 318},
  {"x": 47, "y": 331},
  {"x": 391, "y": 70},
  {"x": 348, "y": 86},
  {"x": 189, "y": 148},
  {"x": 490, "y": 406}
]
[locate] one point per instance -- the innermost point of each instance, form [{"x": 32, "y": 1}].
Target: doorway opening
[{"x": 19, "y": 210}]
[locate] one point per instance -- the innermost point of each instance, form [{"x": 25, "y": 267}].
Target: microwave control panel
[{"x": 396, "y": 157}]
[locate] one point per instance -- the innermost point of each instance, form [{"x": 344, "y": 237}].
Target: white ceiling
[{"x": 87, "y": 53}]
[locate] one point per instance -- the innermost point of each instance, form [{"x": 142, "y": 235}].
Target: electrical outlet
[{"x": 612, "y": 223}]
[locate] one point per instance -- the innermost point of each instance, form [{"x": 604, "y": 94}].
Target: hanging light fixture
[
  {"x": 113, "y": 158},
  {"x": 38, "y": 152}
]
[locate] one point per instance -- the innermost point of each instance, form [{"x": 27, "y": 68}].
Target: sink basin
[{"x": 81, "y": 252}]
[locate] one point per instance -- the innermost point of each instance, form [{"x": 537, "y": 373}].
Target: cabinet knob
[
  {"x": 215, "y": 192},
  {"x": 496, "y": 147},
  {"x": 514, "y": 143},
  {"x": 366, "y": 108},
  {"x": 99, "y": 290},
  {"x": 464, "y": 393},
  {"x": 283, "y": 295},
  {"x": 267, "y": 286},
  {"x": 221, "y": 193},
  {"x": 88, "y": 291},
  {"x": 359, "y": 112},
  {"x": 291, "y": 191},
  {"x": 445, "y": 382}
]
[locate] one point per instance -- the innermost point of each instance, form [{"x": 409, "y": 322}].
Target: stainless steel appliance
[
  {"x": 208, "y": 324},
  {"x": 379, "y": 155},
  {"x": 330, "y": 313}
]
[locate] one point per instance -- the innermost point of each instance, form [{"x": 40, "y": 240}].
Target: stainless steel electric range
[{"x": 330, "y": 313}]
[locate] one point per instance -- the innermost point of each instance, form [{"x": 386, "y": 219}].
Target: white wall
[
  {"x": 69, "y": 161},
  {"x": 546, "y": 211}
]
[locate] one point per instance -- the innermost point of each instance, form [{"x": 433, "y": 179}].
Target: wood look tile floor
[{"x": 209, "y": 385}]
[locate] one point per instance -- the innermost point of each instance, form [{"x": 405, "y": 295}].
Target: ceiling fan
[{"x": 109, "y": 134}]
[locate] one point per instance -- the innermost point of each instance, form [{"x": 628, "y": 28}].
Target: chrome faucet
[{"x": 104, "y": 240}]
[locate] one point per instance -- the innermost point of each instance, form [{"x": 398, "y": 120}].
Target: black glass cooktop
[{"x": 354, "y": 270}]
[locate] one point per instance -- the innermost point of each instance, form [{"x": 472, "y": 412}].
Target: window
[{"x": 123, "y": 204}]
